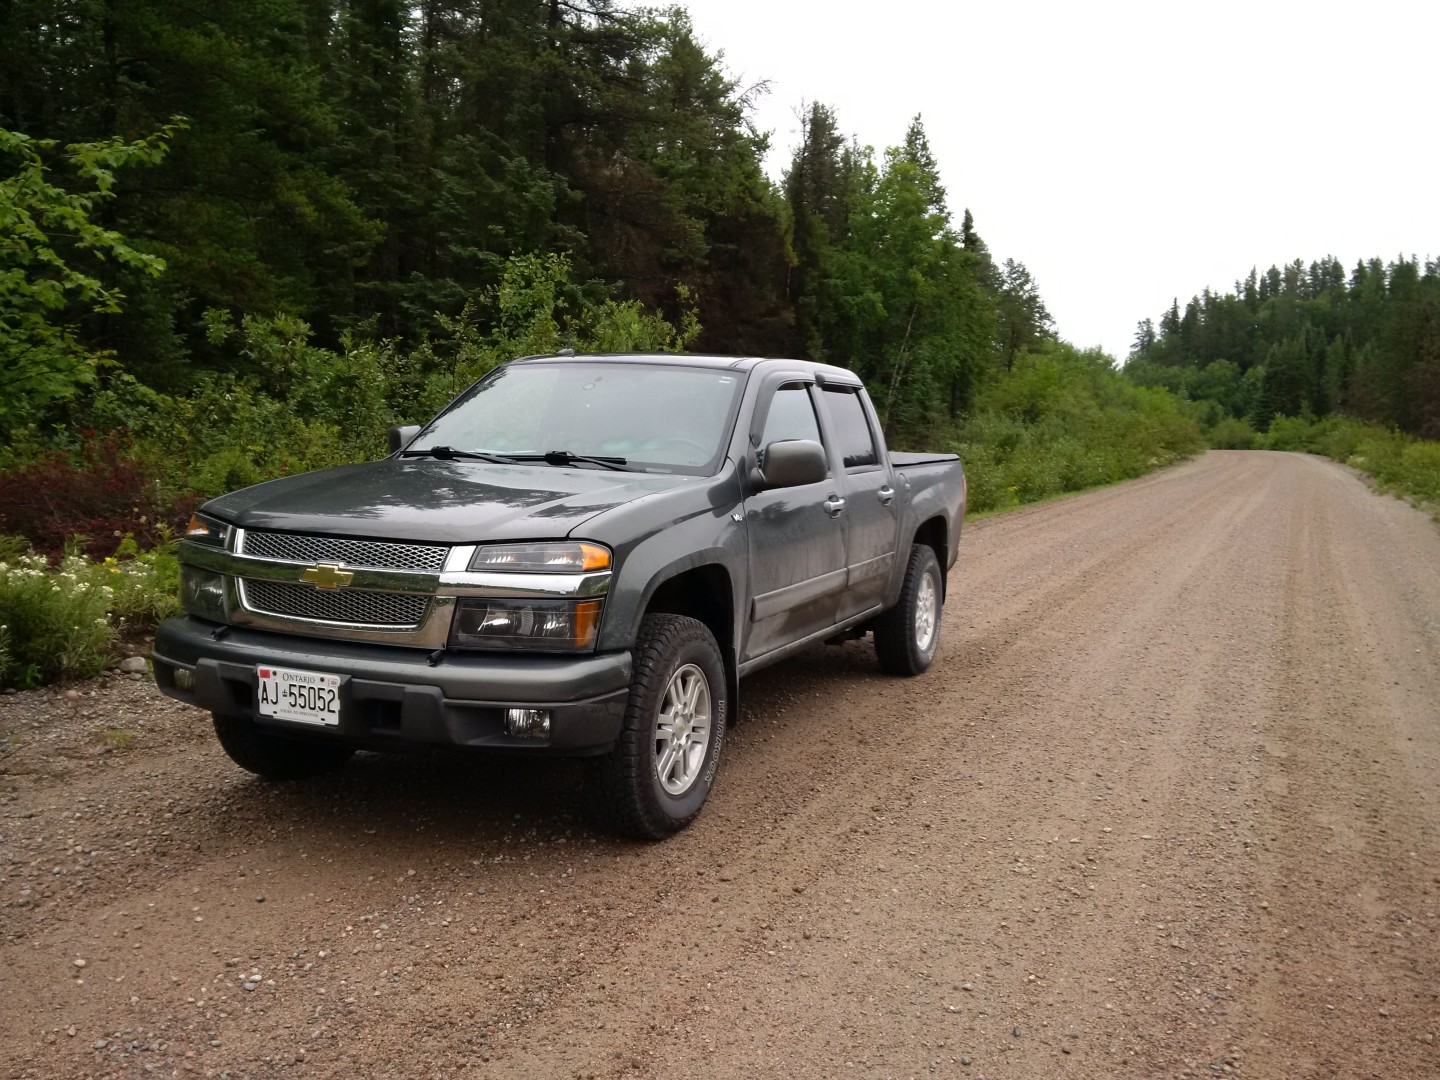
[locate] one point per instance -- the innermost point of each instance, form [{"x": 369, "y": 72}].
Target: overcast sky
[{"x": 1128, "y": 153}]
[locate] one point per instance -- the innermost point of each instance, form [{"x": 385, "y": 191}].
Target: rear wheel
[
  {"x": 907, "y": 634},
  {"x": 662, "y": 768},
  {"x": 273, "y": 756}
]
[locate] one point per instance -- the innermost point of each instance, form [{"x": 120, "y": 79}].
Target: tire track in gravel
[{"x": 1085, "y": 844}]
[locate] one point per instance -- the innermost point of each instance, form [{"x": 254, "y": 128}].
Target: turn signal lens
[
  {"x": 206, "y": 530},
  {"x": 560, "y": 557}
]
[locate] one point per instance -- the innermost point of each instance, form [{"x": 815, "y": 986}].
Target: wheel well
[
  {"x": 705, "y": 593},
  {"x": 933, "y": 534}
]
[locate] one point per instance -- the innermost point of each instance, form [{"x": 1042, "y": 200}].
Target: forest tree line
[
  {"x": 281, "y": 190},
  {"x": 1307, "y": 341}
]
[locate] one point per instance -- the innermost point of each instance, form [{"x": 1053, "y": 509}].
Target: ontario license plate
[{"x": 307, "y": 697}]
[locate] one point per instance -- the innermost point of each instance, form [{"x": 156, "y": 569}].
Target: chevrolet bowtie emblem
[{"x": 327, "y": 576}]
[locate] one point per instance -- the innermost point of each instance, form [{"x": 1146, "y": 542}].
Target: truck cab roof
[{"x": 822, "y": 373}]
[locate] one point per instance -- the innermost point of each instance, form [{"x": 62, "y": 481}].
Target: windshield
[{"x": 647, "y": 416}]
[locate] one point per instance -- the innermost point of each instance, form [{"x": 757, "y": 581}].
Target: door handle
[
  {"x": 834, "y": 505},
  {"x": 886, "y": 494}
]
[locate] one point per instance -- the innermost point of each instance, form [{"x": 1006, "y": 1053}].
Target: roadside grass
[
  {"x": 972, "y": 515},
  {"x": 117, "y": 739}
]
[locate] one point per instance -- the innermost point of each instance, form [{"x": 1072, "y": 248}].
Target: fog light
[
  {"x": 184, "y": 679},
  {"x": 528, "y": 723}
]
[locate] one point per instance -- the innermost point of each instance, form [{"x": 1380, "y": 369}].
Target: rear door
[
  {"x": 871, "y": 504},
  {"x": 797, "y": 542}
]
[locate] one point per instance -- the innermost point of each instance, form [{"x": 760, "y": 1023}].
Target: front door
[{"x": 797, "y": 542}]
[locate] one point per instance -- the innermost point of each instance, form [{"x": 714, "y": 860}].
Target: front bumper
[{"x": 391, "y": 696}]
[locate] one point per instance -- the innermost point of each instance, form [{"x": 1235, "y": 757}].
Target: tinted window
[
  {"x": 791, "y": 416},
  {"x": 852, "y": 430}
]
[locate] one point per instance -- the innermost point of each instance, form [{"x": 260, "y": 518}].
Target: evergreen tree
[
  {"x": 817, "y": 191},
  {"x": 1170, "y": 321},
  {"x": 1144, "y": 338},
  {"x": 1024, "y": 320}
]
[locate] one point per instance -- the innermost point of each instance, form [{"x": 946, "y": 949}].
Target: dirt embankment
[{"x": 1168, "y": 804}]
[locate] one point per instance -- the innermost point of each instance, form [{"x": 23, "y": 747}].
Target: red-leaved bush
[{"x": 100, "y": 492}]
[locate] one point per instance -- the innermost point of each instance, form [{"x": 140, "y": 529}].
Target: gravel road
[{"x": 1168, "y": 804}]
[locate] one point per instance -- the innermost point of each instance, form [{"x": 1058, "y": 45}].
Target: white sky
[{"x": 1128, "y": 153}]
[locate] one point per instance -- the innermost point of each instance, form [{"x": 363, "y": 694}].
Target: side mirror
[
  {"x": 793, "y": 462},
  {"x": 400, "y": 434}
]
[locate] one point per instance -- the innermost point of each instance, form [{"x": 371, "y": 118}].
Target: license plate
[{"x": 308, "y": 697}]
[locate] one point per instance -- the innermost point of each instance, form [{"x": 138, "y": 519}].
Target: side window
[
  {"x": 791, "y": 416},
  {"x": 852, "y": 431}
]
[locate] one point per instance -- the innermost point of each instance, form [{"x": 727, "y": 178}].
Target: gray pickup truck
[{"x": 581, "y": 555}]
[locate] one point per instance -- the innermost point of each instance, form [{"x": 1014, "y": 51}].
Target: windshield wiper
[
  {"x": 449, "y": 453},
  {"x": 565, "y": 457}
]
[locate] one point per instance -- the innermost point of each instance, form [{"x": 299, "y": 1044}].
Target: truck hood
[{"x": 422, "y": 499}]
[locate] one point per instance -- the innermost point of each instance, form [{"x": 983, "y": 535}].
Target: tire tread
[
  {"x": 894, "y": 628},
  {"x": 620, "y": 789}
]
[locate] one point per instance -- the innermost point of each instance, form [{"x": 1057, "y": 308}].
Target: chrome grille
[
  {"x": 372, "y": 554},
  {"x": 358, "y": 607}
]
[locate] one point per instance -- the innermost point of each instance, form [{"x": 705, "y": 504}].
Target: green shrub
[
  {"x": 56, "y": 623},
  {"x": 1034, "y": 473},
  {"x": 1295, "y": 433},
  {"x": 60, "y": 622},
  {"x": 1233, "y": 434},
  {"x": 145, "y": 584},
  {"x": 1337, "y": 439},
  {"x": 1065, "y": 420},
  {"x": 1418, "y": 474},
  {"x": 984, "y": 480}
]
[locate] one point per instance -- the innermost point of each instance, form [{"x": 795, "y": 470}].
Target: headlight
[
  {"x": 559, "y": 557},
  {"x": 546, "y": 625},
  {"x": 207, "y": 531},
  {"x": 202, "y": 593}
]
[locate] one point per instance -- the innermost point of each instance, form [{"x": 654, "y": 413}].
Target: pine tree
[
  {"x": 1170, "y": 321},
  {"x": 1024, "y": 320},
  {"x": 1144, "y": 338},
  {"x": 817, "y": 193}
]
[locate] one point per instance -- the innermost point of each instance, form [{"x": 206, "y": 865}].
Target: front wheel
[
  {"x": 907, "y": 634},
  {"x": 660, "y": 772},
  {"x": 273, "y": 756}
]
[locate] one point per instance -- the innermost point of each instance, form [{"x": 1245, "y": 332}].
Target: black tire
[
  {"x": 273, "y": 756},
  {"x": 904, "y": 642},
  {"x": 628, "y": 792}
]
